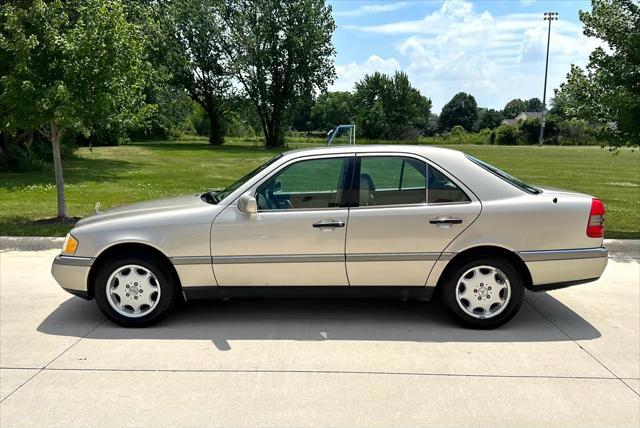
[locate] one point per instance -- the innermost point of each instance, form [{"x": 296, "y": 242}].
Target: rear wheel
[
  {"x": 135, "y": 291},
  {"x": 483, "y": 292}
]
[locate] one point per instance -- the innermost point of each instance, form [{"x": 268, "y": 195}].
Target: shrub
[
  {"x": 576, "y": 132},
  {"x": 507, "y": 135}
]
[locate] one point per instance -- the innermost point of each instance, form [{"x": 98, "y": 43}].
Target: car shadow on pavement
[{"x": 324, "y": 319}]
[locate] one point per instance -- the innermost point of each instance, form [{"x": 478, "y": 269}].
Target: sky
[{"x": 494, "y": 50}]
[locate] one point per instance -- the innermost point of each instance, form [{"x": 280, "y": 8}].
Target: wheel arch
[
  {"x": 487, "y": 251},
  {"x": 128, "y": 249}
]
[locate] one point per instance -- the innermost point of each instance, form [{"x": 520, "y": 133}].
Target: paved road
[{"x": 570, "y": 358}]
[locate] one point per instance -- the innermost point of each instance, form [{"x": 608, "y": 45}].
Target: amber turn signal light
[{"x": 70, "y": 245}]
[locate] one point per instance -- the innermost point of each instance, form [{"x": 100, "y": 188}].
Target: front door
[
  {"x": 298, "y": 235},
  {"x": 407, "y": 214}
]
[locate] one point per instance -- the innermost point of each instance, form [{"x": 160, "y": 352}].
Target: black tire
[
  {"x": 516, "y": 283},
  {"x": 167, "y": 298}
]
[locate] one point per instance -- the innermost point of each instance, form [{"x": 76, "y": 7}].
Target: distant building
[{"x": 525, "y": 115}]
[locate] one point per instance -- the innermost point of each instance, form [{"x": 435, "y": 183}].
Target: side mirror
[{"x": 248, "y": 204}]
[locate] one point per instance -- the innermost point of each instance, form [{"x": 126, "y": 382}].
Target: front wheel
[
  {"x": 134, "y": 291},
  {"x": 484, "y": 293}
]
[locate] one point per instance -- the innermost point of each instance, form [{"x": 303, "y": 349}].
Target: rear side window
[
  {"x": 398, "y": 180},
  {"x": 442, "y": 190},
  {"x": 392, "y": 180}
]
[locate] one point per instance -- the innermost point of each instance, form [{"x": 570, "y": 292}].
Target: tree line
[{"x": 97, "y": 71}]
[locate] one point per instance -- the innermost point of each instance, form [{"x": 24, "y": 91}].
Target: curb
[
  {"x": 616, "y": 247},
  {"x": 30, "y": 243}
]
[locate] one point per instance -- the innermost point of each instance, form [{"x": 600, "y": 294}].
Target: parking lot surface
[{"x": 570, "y": 358}]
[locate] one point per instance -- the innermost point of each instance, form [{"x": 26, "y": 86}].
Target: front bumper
[{"x": 72, "y": 273}]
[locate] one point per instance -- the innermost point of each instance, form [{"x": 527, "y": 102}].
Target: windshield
[
  {"x": 506, "y": 177},
  {"x": 218, "y": 196}
]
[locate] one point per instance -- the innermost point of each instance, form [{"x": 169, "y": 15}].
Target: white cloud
[
  {"x": 350, "y": 73},
  {"x": 368, "y": 9},
  {"x": 495, "y": 58}
]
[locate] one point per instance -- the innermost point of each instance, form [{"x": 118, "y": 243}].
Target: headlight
[{"x": 70, "y": 244}]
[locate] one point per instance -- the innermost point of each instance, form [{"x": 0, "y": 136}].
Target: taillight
[{"x": 595, "y": 225}]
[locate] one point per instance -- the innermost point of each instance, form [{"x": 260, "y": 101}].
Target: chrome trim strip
[
  {"x": 580, "y": 253},
  {"x": 191, "y": 260},
  {"x": 73, "y": 260},
  {"x": 447, "y": 256},
  {"x": 311, "y": 258},
  {"x": 284, "y": 258},
  {"x": 389, "y": 257}
]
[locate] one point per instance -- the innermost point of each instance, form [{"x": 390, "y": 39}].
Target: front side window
[{"x": 308, "y": 184}]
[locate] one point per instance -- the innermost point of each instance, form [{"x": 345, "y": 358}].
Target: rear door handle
[
  {"x": 329, "y": 224},
  {"x": 445, "y": 220}
]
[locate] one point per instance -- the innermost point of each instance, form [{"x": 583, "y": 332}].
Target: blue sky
[{"x": 493, "y": 50}]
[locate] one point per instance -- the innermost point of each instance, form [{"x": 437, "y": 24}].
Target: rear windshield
[{"x": 506, "y": 177}]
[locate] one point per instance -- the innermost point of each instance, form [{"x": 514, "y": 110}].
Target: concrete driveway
[{"x": 571, "y": 358}]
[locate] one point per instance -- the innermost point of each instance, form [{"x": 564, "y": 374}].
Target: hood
[{"x": 146, "y": 207}]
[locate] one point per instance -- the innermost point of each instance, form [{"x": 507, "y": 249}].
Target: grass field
[{"x": 119, "y": 175}]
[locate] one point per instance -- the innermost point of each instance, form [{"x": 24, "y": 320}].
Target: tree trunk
[
  {"x": 56, "y": 136},
  {"x": 274, "y": 137},
  {"x": 216, "y": 123}
]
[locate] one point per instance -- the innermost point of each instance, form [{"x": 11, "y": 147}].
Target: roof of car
[{"x": 399, "y": 148}]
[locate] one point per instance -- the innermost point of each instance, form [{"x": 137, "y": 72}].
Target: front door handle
[
  {"x": 445, "y": 220},
  {"x": 329, "y": 224}
]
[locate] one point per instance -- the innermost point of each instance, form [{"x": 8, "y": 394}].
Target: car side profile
[{"x": 405, "y": 221}]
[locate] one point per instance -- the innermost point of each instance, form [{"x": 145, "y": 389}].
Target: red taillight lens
[{"x": 595, "y": 224}]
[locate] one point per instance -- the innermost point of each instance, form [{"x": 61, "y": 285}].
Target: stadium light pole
[{"x": 548, "y": 16}]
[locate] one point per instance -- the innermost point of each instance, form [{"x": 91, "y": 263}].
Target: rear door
[{"x": 407, "y": 212}]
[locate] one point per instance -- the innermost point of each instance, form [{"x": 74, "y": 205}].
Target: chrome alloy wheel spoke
[
  {"x": 483, "y": 292},
  {"x": 133, "y": 291}
]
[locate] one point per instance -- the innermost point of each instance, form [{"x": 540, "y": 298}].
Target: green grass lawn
[{"x": 119, "y": 175}]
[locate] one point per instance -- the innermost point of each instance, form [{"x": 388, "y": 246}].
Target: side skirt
[{"x": 213, "y": 292}]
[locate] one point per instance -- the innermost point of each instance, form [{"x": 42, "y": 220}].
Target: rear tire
[
  {"x": 483, "y": 293},
  {"x": 135, "y": 291}
]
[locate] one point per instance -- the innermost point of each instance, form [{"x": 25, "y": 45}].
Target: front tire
[
  {"x": 135, "y": 291},
  {"x": 483, "y": 293}
]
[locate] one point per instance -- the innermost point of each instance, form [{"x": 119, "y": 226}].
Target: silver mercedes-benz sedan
[{"x": 404, "y": 221}]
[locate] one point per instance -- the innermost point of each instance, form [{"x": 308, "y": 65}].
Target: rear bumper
[
  {"x": 561, "y": 268},
  {"x": 72, "y": 273}
]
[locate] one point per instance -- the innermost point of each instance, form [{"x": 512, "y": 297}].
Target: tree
[
  {"x": 608, "y": 90},
  {"x": 72, "y": 64},
  {"x": 278, "y": 51},
  {"x": 461, "y": 110},
  {"x": 488, "y": 118},
  {"x": 514, "y": 108},
  {"x": 534, "y": 104},
  {"x": 332, "y": 109},
  {"x": 196, "y": 58},
  {"x": 563, "y": 104},
  {"x": 389, "y": 107}
]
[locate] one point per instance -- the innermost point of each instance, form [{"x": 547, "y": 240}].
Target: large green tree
[
  {"x": 69, "y": 66},
  {"x": 332, "y": 109},
  {"x": 608, "y": 90},
  {"x": 461, "y": 110},
  {"x": 278, "y": 51},
  {"x": 389, "y": 107},
  {"x": 514, "y": 108},
  {"x": 488, "y": 118},
  {"x": 195, "y": 58},
  {"x": 534, "y": 104}
]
